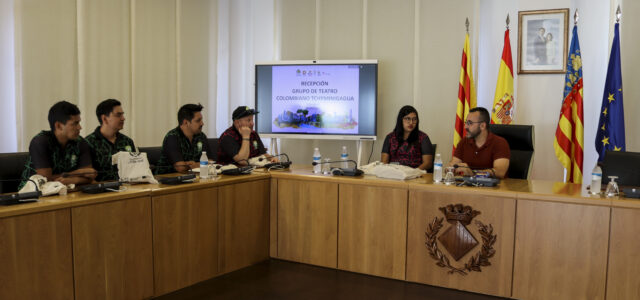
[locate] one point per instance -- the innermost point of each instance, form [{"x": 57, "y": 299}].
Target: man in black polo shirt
[
  {"x": 183, "y": 145},
  {"x": 107, "y": 140},
  {"x": 60, "y": 154},
  {"x": 240, "y": 142}
]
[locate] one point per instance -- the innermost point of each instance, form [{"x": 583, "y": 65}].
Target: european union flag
[{"x": 610, "y": 134}]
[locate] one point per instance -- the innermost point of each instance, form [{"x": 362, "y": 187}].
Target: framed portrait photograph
[{"x": 542, "y": 41}]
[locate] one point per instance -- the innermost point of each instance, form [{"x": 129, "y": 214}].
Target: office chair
[
  {"x": 521, "y": 141},
  {"x": 625, "y": 165}
]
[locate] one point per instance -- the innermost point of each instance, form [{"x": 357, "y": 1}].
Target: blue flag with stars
[{"x": 610, "y": 134}]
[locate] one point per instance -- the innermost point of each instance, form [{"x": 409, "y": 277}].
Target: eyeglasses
[
  {"x": 469, "y": 122},
  {"x": 412, "y": 120}
]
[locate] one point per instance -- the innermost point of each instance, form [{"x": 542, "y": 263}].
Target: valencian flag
[
  {"x": 610, "y": 134},
  {"x": 466, "y": 93},
  {"x": 502, "y": 111},
  {"x": 569, "y": 141}
]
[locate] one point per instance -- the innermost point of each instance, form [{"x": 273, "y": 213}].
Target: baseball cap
[{"x": 243, "y": 111}]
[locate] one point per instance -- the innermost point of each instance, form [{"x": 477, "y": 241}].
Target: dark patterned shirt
[
  {"x": 102, "y": 150},
  {"x": 176, "y": 147},
  {"x": 406, "y": 154},
  {"x": 231, "y": 141},
  {"x": 45, "y": 152}
]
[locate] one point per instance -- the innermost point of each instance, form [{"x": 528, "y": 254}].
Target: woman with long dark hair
[{"x": 407, "y": 145}]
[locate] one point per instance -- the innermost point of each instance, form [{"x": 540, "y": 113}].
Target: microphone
[
  {"x": 280, "y": 164},
  {"x": 243, "y": 170},
  {"x": 459, "y": 166},
  {"x": 177, "y": 179},
  {"x": 67, "y": 175},
  {"x": 342, "y": 171},
  {"x": 100, "y": 187},
  {"x": 19, "y": 198}
]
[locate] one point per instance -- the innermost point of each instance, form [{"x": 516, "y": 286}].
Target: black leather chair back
[
  {"x": 153, "y": 155},
  {"x": 213, "y": 146},
  {"x": 521, "y": 141},
  {"x": 625, "y": 165},
  {"x": 435, "y": 147},
  {"x": 11, "y": 167}
]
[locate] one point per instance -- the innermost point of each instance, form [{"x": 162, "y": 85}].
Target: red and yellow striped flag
[
  {"x": 569, "y": 141},
  {"x": 466, "y": 93},
  {"x": 503, "y": 101}
]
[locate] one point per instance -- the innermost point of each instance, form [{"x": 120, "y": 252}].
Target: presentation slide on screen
[{"x": 315, "y": 99}]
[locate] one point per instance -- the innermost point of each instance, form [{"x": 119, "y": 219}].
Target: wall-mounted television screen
[{"x": 317, "y": 99}]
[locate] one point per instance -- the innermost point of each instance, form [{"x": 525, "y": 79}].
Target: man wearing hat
[{"x": 240, "y": 142}]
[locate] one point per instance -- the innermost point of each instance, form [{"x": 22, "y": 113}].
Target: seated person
[
  {"x": 183, "y": 145},
  {"x": 60, "y": 154},
  {"x": 240, "y": 142},
  {"x": 107, "y": 140},
  {"x": 408, "y": 145},
  {"x": 481, "y": 150}
]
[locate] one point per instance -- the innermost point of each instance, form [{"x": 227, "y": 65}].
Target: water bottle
[
  {"x": 317, "y": 159},
  {"x": 204, "y": 166},
  {"x": 344, "y": 156},
  {"x": 437, "y": 169},
  {"x": 596, "y": 180}
]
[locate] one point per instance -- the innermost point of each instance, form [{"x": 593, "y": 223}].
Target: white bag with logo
[
  {"x": 133, "y": 167},
  {"x": 47, "y": 188}
]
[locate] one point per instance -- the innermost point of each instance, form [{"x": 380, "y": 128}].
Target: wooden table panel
[
  {"x": 499, "y": 212},
  {"x": 308, "y": 222},
  {"x": 185, "y": 239},
  {"x": 372, "y": 230},
  {"x": 623, "y": 281},
  {"x": 561, "y": 251},
  {"x": 243, "y": 224},
  {"x": 35, "y": 256},
  {"x": 112, "y": 254},
  {"x": 273, "y": 218}
]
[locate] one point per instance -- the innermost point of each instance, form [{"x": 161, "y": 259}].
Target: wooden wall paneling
[
  {"x": 273, "y": 218},
  {"x": 308, "y": 222},
  {"x": 497, "y": 211},
  {"x": 112, "y": 255},
  {"x": 35, "y": 255},
  {"x": 372, "y": 230},
  {"x": 243, "y": 224},
  {"x": 623, "y": 281},
  {"x": 560, "y": 251},
  {"x": 185, "y": 239}
]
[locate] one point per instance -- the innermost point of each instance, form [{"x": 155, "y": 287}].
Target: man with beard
[
  {"x": 60, "y": 154},
  {"x": 107, "y": 140},
  {"x": 183, "y": 145},
  {"x": 481, "y": 150},
  {"x": 240, "y": 142}
]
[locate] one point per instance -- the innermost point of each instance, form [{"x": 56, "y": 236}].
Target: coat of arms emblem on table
[{"x": 458, "y": 241}]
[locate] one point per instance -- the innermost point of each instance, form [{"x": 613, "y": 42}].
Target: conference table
[{"x": 524, "y": 239}]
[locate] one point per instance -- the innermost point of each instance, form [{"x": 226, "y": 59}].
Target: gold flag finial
[
  {"x": 618, "y": 14},
  {"x": 466, "y": 23},
  {"x": 507, "y": 21},
  {"x": 575, "y": 18}
]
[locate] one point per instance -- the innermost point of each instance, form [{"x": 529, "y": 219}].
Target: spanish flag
[
  {"x": 502, "y": 110},
  {"x": 466, "y": 93},
  {"x": 569, "y": 141}
]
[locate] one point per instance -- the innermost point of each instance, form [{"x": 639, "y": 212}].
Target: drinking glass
[
  {"x": 449, "y": 177},
  {"x": 326, "y": 167},
  {"x": 612, "y": 188}
]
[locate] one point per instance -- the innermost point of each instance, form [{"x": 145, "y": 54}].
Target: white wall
[
  {"x": 418, "y": 45},
  {"x": 8, "y": 138}
]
